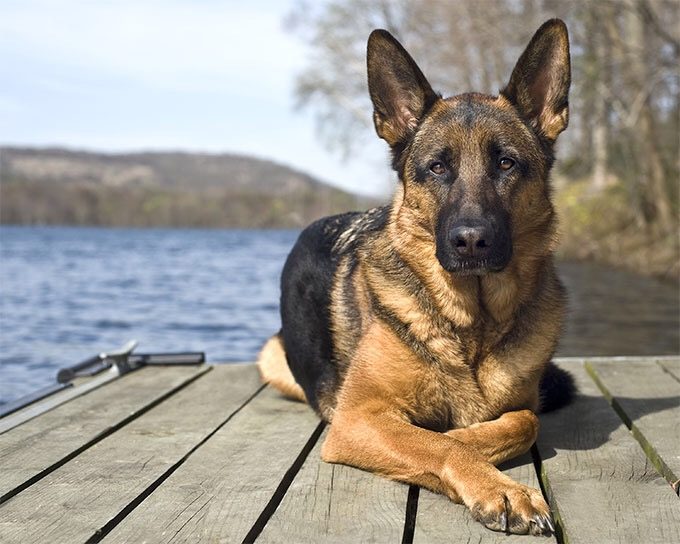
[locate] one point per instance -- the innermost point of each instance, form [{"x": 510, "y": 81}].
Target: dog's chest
[{"x": 451, "y": 395}]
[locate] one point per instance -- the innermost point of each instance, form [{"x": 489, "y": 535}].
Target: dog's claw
[
  {"x": 519, "y": 510},
  {"x": 543, "y": 523},
  {"x": 538, "y": 520},
  {"x": 551, "y": 526}
]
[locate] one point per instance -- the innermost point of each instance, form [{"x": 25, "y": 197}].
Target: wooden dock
[{"x": 207, "y": 454}]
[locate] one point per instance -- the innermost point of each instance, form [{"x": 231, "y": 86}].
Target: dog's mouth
[{"x": 474, "y": 267}]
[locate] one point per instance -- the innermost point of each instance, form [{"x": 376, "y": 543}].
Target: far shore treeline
[{"x": 63, "y": 187}]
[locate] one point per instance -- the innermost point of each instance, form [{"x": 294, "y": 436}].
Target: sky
[{"x": 206, "y": 76}]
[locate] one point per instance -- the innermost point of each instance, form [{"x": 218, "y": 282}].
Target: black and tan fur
[{"x": 423, "y": 330}]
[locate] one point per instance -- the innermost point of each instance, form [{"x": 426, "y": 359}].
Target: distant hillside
[{"x": 58, "y": 186}]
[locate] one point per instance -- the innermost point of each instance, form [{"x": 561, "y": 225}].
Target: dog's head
[{"x": 474, "y": 168}]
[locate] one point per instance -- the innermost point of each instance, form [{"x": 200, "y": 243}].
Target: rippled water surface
[{"x": 69, "y": 293}]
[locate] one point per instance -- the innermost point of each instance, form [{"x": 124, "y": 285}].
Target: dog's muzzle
[{"x": 473, "y": 247}]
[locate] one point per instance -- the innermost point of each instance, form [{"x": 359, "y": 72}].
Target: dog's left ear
[
  {"x": 399, "y": 91},
  {"x": 539, "y": 85}
]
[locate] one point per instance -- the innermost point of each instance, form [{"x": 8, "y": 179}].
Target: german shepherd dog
[{"x": 423, "y": 330}]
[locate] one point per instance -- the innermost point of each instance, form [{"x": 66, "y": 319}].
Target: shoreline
[{"x": 664, "y": 267}]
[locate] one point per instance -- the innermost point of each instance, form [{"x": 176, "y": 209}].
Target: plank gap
[
  {"x": 283, "y": 486},
  {"x": 649, "y": 450},
  {"x": 111, "y": 524},
  {"x": 337, "y": 503},
  {"x": 101, "y": 436},
  {"x": 411, "y": 514},
  {"x": 667, "y": 371},
  {"x": 544, "y": 485}
]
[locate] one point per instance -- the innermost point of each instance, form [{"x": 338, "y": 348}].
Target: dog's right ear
[
  {"x": 539, "y": 85},
  {"x": 400, "y": 93}
]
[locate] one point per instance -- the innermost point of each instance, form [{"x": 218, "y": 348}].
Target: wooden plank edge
[
  {"x": 560, "y": 534},
  {"x": 544, "y": 483},
  {"x": 29, "y": 399},
  {"x": 113, "y": 522},
  {"x": 49, "y": 403},
  {"x": 283, "y": 486},
  {"x": 101, "y": 436},
  {"x": 671, "y": 372},
  {"x": 651, "y": 453},
  {"x": 77, "y": 388}
]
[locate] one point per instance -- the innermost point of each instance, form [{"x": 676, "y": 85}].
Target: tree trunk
[
  {"x": 656, "y": 176},
  {"x": 602, "y": 82}
]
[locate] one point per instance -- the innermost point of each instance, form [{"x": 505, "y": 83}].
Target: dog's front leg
[
  {"x": 501, "y": 439},
  {"x": 370, "y": 429},
  {"x": 384, "y": 442}
]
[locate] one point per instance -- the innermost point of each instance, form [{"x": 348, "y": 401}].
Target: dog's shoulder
[
  {"x": 338, "y": 235},
  {"x": 359, "y": 228}
]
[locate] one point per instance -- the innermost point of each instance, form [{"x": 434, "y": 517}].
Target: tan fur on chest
[{"x": 440, "y": 397}]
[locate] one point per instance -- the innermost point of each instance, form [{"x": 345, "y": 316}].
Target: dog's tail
[
  {"x": 557, "y": 388},
  {"x": 274, "y": 370}
]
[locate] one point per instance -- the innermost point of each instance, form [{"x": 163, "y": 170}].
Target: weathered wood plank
[
  {"x": 218, "y": 494},
  {"x": 648, "y": 401},
  {"x": 440, "y": 520},
  {"x": 49, "y": 403},
  {"x": 30, "y": 450},
  {"x": 88, "y": 493},
  {"x": 30, "y": 399},
  {"x": 600, "y": 484},
  {"x": 337, "y": 504}
]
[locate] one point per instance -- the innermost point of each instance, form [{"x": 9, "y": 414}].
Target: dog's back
[{"x": 307, "y": 283}]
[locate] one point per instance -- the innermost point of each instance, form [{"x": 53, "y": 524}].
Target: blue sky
[{"x": 153, "y": 75}]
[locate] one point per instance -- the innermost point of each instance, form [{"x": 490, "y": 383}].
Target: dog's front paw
[{"x": 515, "y": 509}]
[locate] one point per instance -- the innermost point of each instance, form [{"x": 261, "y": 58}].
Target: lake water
[{"x": 69, "y": 293}]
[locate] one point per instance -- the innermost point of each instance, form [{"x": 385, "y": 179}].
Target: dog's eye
[
  {"x": 438, "y": 168},
  {"x": 506, "y": 163}
]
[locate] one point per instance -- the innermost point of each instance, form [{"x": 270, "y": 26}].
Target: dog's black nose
[{"x": 472, "y": 241}]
